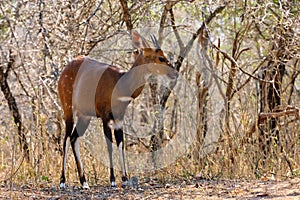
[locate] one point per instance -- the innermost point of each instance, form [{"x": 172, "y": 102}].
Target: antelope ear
[
  {"x": 139, "y": 42},
  {"x": 137, "y": 52}
]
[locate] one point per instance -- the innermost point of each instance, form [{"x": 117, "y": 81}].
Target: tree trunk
[
  {"x": 270, "y": 91},
  {"x": 13, "y": 107},
  {"x": 270, "y": 98}
]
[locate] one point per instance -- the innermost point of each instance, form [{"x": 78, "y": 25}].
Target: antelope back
[{"x": 86, "y": 84}]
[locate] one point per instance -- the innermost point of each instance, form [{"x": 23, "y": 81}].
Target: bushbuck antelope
[{"x": 89, "y": 88}]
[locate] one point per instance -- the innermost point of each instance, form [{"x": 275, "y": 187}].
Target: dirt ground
[{"x": 195, "y": 189}]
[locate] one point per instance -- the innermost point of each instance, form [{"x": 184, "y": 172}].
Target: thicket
[{"x": 238, "y": 60}]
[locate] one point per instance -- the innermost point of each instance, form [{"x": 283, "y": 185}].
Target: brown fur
[
  {"x": 106, "y": 83},
  {"x": 90, "y": 88},
  {"x": 65, "y": 86}
]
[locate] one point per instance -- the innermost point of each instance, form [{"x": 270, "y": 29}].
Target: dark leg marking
[
  {"x": 108, "y": 138},
  {"x": 80, "y": 129},
  {"x": 120, "y": 143},
  {"x": 69, "y": 127}
]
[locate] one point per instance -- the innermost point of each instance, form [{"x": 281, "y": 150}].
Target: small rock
[
  {"x": 53, "y": 188},
  {"x": 134, "y": 181}
]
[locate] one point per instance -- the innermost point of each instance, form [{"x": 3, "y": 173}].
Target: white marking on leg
[
  {"x": 109, "y": 145},
  {"x": 113, "y": 184},
  {"x": 66, "y": 153},
  {"x": 121, "y": 151},
  {"x": 77, "y": 150},
  {"x": 118, "y": 125},
  {"x": 62, "y": 185},
  {"x": 85, "y": 185},
  {"x": 125, "y": 99}
]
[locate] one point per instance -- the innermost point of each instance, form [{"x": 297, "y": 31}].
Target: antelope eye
[{"x": 161, "y": 59}]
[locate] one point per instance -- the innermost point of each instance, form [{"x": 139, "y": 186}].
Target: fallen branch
[{"x": 279, "y": 112}]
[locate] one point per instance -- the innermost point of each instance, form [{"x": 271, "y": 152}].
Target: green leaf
[{"x": 45, "y": 178}]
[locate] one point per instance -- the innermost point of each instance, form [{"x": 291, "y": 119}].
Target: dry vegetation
[{"x": 237, "y": 102}]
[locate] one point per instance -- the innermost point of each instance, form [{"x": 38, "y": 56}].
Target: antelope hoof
[
  {"x": 62, "y": 185},
  {"x": 85, "y": 186},
  {"x": 113, "y": 184},
  {"x": 126, "y": 184},
  {"x": 132, "y": 182}
]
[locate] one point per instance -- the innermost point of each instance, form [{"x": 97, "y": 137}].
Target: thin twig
[
  {"x": 237, "y": 65},
  {"x": 249, "y": 78},
  {"x": 13, "y": 172},
  {"x": 49, "y": 93},
  {"x": 87, "y": 22}
]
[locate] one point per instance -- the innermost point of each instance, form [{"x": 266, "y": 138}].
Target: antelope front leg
[
  {"x": 108, "y": 139},
  {"x": 120, "y": 143}
]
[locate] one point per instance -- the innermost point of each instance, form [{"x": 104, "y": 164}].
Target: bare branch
[
  {"x": 188, "y": 47},
  {"x": 161, "y": 25},
  {"x": 279, "y": 112},
  {"x": 186, "y": 50},
  {"x": 126, "y": 14},
  {"x": 237, "y": 65},
  {"x": 180, "y": 43}
]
